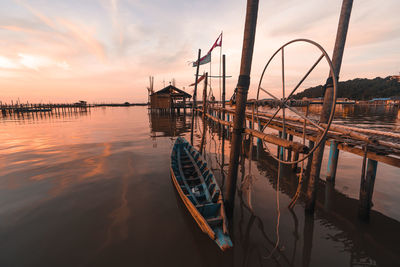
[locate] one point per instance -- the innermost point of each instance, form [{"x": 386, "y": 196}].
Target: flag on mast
[
  {"x": 199, "y": 79},
  {"x": 218, "y": 42},
  {"x": 203, "y": 60},
  {"x": 207, "y": 58}
]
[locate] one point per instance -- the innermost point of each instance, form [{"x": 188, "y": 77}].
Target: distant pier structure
[
  {"x": 28, "y": 108},
  {"x": 170, "y": 99}
]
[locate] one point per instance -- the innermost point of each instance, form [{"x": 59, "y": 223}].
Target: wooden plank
[
  {"x": 278, "y": 141},
  {"x": 371, "y": 155},
  {"x": 393, "y": 161}
]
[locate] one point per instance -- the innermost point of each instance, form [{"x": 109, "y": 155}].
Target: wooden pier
[
  {"x": 372, "y": 145},
  {"x": 20, "y": 109}
]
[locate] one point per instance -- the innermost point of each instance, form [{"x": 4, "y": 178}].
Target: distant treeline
[{"x": 358, "y": 89}]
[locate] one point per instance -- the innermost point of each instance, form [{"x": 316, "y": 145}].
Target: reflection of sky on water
[{"x": 95, "y": 190}]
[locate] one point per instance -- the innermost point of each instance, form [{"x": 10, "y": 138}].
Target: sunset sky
[{"x": 104, "y": 50}]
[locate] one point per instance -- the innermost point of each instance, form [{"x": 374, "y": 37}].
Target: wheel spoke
[
  {"x": 308, "y": 119},
  {"x": 276, "y": 112},
  {"x": 268, "y": 93},
  {"x": 273, "y": 116},
  {"x": 306, "y": 75}
]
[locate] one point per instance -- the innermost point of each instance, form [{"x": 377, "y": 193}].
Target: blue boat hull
[{"x": 199, "y": 192}]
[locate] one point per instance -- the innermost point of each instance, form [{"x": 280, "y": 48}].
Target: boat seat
[
  {"x": 214, "y": 221},
  {"x": 193, "y": 179},
  {"x": 211, "y": 188},
  {"x": 215, "y": 195},
  {"x": 209, "y": 210}
]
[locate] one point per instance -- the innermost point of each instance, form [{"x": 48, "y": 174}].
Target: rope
[
  {"x": 247, "y": 181},
  {"x": 278, "y": 214},
  {"x": 300, "y": 183}
]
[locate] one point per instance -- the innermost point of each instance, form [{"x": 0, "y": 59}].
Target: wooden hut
[{"x": 169, "y": 98}]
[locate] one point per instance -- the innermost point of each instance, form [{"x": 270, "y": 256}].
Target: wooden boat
[{"x": 199, "y": 191}]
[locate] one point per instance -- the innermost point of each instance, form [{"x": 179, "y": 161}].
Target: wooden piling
[
  {"x": 223, "y": 90},
  {"x": 332, "y": 162},
  {"x": 204, "y": 113},
  {"x": 367, "y": 189},
  {"x": 327, "y": 106},
  {"x": 289, "y": 152},
  {"x": 241, "y": 99},
  {"x": 194, "y": 105}
]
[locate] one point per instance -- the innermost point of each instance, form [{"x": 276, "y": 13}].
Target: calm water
[{"x": 94, "y": 189}]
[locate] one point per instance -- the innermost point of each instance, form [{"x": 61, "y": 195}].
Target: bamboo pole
[
  {"x": 204, "y": 113},
  {"x": 344, "y": 19},
  {"x": 195, "y": 95},
  {"x": 223, "y": 86},
  {"x": 242, "y": 89}
]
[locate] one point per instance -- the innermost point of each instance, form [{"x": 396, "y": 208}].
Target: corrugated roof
[{"x": 172, "y": 90}]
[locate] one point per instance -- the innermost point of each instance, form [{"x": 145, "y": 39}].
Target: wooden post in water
[
  {"x": 332, "y": 162},
  {"x": 204, "y": 113},
  {"x": 241, "y": 99},
  {"x": 194, "y": 105},
  {"x": 223, "y": 88},
  {"x": 327, "y": 106},
  {"x": 366, "y": 189},
  {"x": 289, "y": 152}
]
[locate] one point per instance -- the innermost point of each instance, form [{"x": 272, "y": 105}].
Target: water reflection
[
  {"x": 371, "y": 243},
  {"x": 378, "y": 117},
  {"x": 168, "y": 124},
  {"x": 93, "y": 190},
  {"x": 35, "y": 117}
]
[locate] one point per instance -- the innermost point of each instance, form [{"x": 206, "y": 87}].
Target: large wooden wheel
[{"x": 303, "y": 121}]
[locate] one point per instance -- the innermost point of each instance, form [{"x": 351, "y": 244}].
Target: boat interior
[{"x": 197, "y": 182}]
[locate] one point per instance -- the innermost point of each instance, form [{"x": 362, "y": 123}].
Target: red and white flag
[
  {"x": 218, "y": 42},
  {"x": 207, "y": 58},
  {"x": 204, "y": 60}
]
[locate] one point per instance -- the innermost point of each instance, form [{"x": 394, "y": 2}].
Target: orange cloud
[
  {"x": 93, "y": 45},
  {"x": 39, "y": 15},
  {"x": 15, "y": 29}
]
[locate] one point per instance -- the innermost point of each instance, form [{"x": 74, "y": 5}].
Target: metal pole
[
  {"x": 195, "y": 95},
  {"x": 327, "y": 106},
  {"x": 241, "y": 97}
]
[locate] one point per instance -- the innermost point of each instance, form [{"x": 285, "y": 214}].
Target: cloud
[
  {"x": 17, "y": 29},
  {"x": 84, "y": 36},
  {"x": 116, "y": 21},
  {"x": 65, "y": 29},
  {"x": 38, "y": 14},
  {"x": 33, "y": 62},
  {"x": 117, "y": 44},
  {"x": 7, "y": 63},
  {"x": 37, "y": 62}
]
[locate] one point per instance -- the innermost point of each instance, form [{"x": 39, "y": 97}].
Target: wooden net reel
[{"x": 313, "y": 125}]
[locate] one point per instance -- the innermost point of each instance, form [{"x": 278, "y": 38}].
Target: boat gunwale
[{"x": 200, "y": 220}]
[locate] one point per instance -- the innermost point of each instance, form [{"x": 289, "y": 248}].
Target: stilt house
[{"x": 169, "y": 98}]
